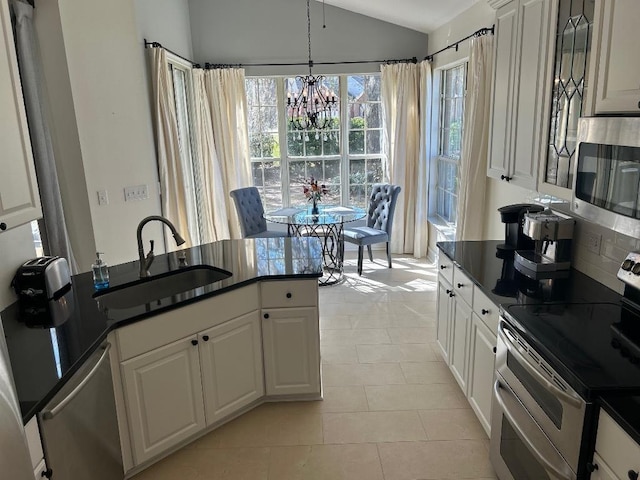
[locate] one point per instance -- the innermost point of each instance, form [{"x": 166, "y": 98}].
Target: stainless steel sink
[{"x": 161, "y": 286}]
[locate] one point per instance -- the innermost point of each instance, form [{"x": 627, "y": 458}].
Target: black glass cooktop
[{"x": 593, "y": 346}]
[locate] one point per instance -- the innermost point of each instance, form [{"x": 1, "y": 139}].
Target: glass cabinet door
[{"x": 573, "y": 44}]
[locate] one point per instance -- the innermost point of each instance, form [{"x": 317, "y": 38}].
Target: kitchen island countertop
[{"x": 44, "y": 357}]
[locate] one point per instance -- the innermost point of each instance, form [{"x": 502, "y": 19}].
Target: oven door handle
[
  {"x": 547, "y": 465},
  {"x": 518, "y": 352}
]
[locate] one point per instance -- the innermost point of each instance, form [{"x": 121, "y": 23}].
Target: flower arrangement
[{"x": 313, "y": 191}]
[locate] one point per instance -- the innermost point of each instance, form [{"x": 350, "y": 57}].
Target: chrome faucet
[{"x": 145, "y": 262}]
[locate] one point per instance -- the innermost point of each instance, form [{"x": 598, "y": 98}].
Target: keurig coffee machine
[{"x": 512, "y": 216}]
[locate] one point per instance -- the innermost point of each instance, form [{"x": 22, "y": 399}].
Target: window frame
[
  {"x": 344, "y": 157},
  {"x": 437, "y": 159}
]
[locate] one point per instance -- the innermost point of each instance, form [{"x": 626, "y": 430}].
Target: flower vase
[{"x": 314, "y": 208}]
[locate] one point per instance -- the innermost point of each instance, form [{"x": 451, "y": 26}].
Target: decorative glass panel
[{"x": 573, "y": 43}]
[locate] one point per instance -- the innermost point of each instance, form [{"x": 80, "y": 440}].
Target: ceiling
[{"x": 421, "y": 15}]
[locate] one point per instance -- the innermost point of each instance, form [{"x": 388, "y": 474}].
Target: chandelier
[{"x": 313, "y": 107}]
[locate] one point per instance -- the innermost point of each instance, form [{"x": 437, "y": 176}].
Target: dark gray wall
[{"x": 271, "y": 31}]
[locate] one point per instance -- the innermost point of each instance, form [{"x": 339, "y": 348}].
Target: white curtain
[
  {"x": 55, "y": 235},
  {"x": 214, "y": 223},
  {"x": 405, "y": 102},
  {"x": 475, "y": 139},
  {"x": 170, "y": 166},
  {"x": 227, "y": 100}
]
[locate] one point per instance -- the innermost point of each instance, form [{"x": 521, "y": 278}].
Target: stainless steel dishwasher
[{"x": 79, "y": 426}]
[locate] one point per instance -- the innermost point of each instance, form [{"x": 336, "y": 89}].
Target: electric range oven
[{"x": 552, "y": 363}]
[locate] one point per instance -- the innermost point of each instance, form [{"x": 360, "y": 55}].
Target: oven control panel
[{"x": 629, "y": 271}]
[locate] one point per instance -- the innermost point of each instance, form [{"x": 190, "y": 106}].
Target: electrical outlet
[
  {"x": 137, "y": 192},
  {"x": 593, "y": 241},
  {"x": 103, "y": 198}
]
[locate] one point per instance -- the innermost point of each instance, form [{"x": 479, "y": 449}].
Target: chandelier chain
[{"x": 309, "y": 32}]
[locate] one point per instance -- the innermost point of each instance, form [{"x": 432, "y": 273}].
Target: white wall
[
  {"x": 97, "y": 66},
  {"x": 248, "y": 31},
  {"x": 166, "y": 22}
]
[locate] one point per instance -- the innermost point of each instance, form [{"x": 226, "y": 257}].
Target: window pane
[
  {"x": 374, "y": 171},
  {"x": 372, "y": 87},
  {"x": 356, "y": 141},
  {"x": 332, "y": 171},
  {"x": 331, "y": 143},
  {"x": 373, "y": 115},
  {"x": 373, "y": 141},
  {"x": 358, "y": 196}
]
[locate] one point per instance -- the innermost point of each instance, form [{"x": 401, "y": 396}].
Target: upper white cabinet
[
  {"x": 618, "y": 87},
  {"x": 520, "y": 79},
  {"x": 19, "y": 197}
]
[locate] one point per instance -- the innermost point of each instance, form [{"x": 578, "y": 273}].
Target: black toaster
[{"x": 43, "y": 286}]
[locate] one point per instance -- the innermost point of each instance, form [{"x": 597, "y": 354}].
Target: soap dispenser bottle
[{"x": 100, "y": 273}]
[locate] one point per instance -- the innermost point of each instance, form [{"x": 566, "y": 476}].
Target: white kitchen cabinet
[
  {"x": 519, "y": 85},
  {"x": 481, "y": 370},
  {"x": 291, "y": 351},
  {"x": 460, "y": 329},
  {"x": 618, "y": 86},
  {"x": 19, "y": 197},
  {"x": 164, "y": 397},
  {"x": 40, "y": 470},
  {"x": 231, "y": 366},
  {"x": 443, "y": 317},
  {"x": 617, "y": 455}
]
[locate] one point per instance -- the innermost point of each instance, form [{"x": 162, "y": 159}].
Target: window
[
  {"x": 347, "y": 158},
  {"x": 452, "y": 92},
  {"x": 180, "y": 74}
]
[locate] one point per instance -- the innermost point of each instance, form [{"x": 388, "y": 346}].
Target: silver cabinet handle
[
  {"x": 509, "y": 341},
  {"x": 547, "y": 465},
  {"x": 49, "y": 414}
]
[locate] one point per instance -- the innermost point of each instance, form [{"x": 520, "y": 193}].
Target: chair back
[
  {"x": 382, "y": 205},
  {"x": 250, "y": 211}
]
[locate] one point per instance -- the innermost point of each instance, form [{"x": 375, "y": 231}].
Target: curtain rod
[
  {"x": 477, "y": 33},
  {"x": 240, "y": 65},
  {"x": 159, "y": 45}
]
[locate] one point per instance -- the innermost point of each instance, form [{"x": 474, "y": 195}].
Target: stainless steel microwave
[{"x": 606, "y": 177}]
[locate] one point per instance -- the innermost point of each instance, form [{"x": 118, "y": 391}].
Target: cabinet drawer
[
  {"x": 620, "y": 452},
  {"x": 445, "y": 267},
  {"x": 462, "y": 286},
  {"x": 486, "y": 310},
  {"x": 287, "y": 293}
]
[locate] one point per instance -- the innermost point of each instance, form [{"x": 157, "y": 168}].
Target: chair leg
[
  {"x": 388, "y": 255},
  {"x": 360, "y": 252},
  {"x": 370, "y": 254}
]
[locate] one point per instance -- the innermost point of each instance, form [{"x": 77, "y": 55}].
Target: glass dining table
[{"x": 326, "y": 223}]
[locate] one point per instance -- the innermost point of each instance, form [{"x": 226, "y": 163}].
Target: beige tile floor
[{"x": 391, "y": 408}]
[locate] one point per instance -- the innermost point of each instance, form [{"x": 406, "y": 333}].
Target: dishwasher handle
[{"x": 49, "y": 414}]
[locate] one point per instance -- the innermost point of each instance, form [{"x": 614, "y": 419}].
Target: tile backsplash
[{"x": 601, "y": 262}]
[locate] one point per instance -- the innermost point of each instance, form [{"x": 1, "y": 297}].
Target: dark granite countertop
[
  {"x": 44, "y": 358},
  {"x": 568, "y": 320}
]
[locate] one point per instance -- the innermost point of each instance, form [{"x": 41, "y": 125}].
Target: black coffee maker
[{"x": 512, "y": 216}]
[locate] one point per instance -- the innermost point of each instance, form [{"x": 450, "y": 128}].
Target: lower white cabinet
[
  {"x": 460, "y": 327},
  {"x": 443, "y": 318},
  {"x": 40, "y": 470},
  {"x": 163, "y": 397},
  {"x": 291, "y": 351},
  {"x": 617, "y": 455},
  {"x": 466, "y": 335},
  {"x": 481, "y": 370},
  {"x": 231, "y": 366}
]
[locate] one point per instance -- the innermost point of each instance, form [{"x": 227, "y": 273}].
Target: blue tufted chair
[
  {"x": 250, "y": 213},
  {"x": 382, "y": 205}
]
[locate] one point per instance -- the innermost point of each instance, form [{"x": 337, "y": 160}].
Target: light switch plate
[
  {"x": 103, "y": 198},
  {"x": 137, "y": 192},
  {"x": 593, "y": 241}
]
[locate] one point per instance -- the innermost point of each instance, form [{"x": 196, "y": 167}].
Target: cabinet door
[
  {"x": 231, "y": 366},
  {"x": 504, "y": 65},
  {"x": 460, "y": 327},
  {"x": 163, "y": 394},
  {"x": 291, "y": 347},
  {"x": 40, "y": 470},
  {"x": 481, "y": 371},
  {"x": 19, "y": 198},
  {"x": 603, "y": 472},
  {"x": 618, "y": 88},
  {"x": 443, "y": 318},
  {"x": 529, "y": 88}
]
